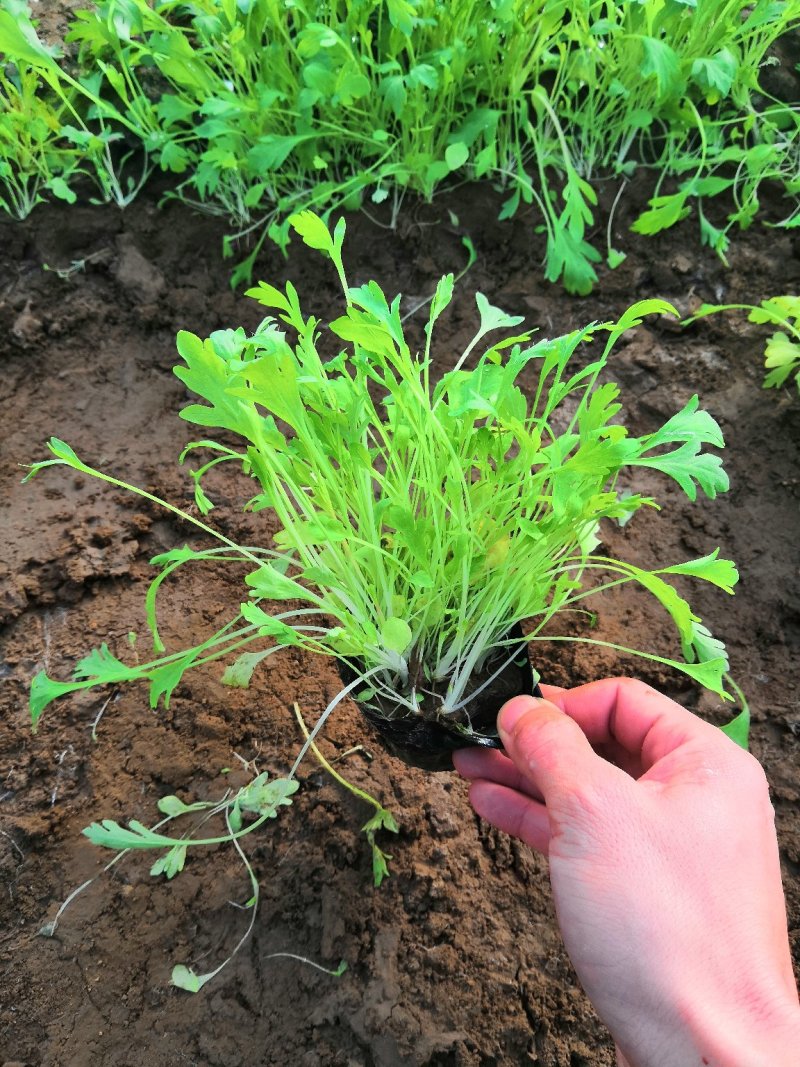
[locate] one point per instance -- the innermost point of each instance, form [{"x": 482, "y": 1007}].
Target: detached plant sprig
[
  {"x": 782, "y": 352},
  {"x": 420, "y": 520}
]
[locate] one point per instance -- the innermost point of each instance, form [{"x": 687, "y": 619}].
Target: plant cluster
[
  {"x": 419, "y": 519},
  {"x": 260, "y": 109}
]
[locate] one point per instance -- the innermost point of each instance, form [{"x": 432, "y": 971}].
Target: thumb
[{"x": 550, "y": 749}]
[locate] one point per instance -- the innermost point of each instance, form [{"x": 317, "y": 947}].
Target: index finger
[{"x": 644, "y": 722}]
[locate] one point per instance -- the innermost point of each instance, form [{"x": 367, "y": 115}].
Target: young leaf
[
  {"x": 313, "y": 231},
  {"x": 664, "y": 211},
  {"x": 493, "y": 318},
  {"x": 44, "y": 691},
  {"x": 686, "y": 464},
  {"x": 171, "y": 863},
  {"x": 381, "y": 820},
  {"x": 441, "y": 299},
  {"x": 239, "y": 674},
  {"x": 703, "y": 646},
  {"x": 396, "y": 635},
  {"x": 185, "y": 978},
  {"x": 174, "y": 806},
  {"x": 264, "y": 797},
  {"x": 110, "y": 834},
  {"x": 662, "y": 63},
  {"x": 615, "y": 258},
  {"x": 720, "y": 572},
  {"x": 738, "y": 729},
  {"x": 456, "y": 155}
]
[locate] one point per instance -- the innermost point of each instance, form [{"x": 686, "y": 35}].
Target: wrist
[
  {"x": 762, "y": 1033},
  {"x": 737, "y": 1034}
]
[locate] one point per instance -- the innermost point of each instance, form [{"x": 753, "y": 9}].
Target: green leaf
[
  {"x": 164, "y": 680},
  {"x": 720, "y": 572},
  {"x": 664, "y": 212},
  {"x": 239, "y": 674},
  {"x": 171, "y": 863},
  {"x": 456, "y": 155},
  {"x": 19, "y": 42},
  {"x": 615, "y": 258},
  {"x": 688, "y": 467},
  {"x": 634, "y": 316},
  {"x": 270, "y": 584},
  {"x": 662, "y": 63},
  {"x": 59, "y": 188},
  {"x": 777, "y": 309},
  {"x": 270, "y": 297},
  {"x": 263, "y": 797},
  {"x": 713, "y": 237},
  {"x": 174, "y": 806},
  {"x": 267, "y": 627},
  {"x": 402, "y": 15},
  {"x": 351, "y": 85},
  {"x": 380, "y": 866},
  {"x": 271, "y": 152},
  {"x": 381, "y": 820},
  {"x": 686, "y": 464},
  {"x": 715, "y": 74},
  {"x": 396, "y": 635},
  {"x": 493, "y": 318},
  {"x": 356, "y": 327},
  {"x": 44, "y": 691},
  {"x": 691, "y": 423},
  {"x": 711, "y": 674},
  {"x": 313, "y": 231},
  {"x": 738, "y": 729},
  {"x": 208, "y": 375},
  {"x": 571, "y": 256},
  {"x": 109, "y": 834},
  {"x": 103, "y": 666},
  {"x": 185, "y": 978},
  {"x": 271, "y": 380}
]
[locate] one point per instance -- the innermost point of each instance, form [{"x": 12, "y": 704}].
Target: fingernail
[{"x": 512, "y": 712}]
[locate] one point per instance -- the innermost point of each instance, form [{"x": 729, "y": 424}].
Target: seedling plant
[{"x": 420, "y": 519}]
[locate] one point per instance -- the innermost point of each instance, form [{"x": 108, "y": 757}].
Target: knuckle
[
  {"x": 751, "y": 773},
  {"x": 635, "y": 687}
]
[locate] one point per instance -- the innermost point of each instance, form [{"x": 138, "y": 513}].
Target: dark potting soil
[
  {"x": 428, "y": 739},
  {"x": 456, "y": 960}
]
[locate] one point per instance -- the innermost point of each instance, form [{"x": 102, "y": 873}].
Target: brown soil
[{"x": 456, "y": 960}]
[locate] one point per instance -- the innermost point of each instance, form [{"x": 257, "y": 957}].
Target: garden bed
[{"x": 456, "y": 959}]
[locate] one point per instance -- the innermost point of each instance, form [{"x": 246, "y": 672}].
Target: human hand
[{"x": 664, "y": 867}]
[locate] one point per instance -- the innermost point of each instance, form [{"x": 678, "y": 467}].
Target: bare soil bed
[{"x": 456, "y": 961}]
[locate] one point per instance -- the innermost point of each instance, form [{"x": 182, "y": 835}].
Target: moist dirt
[{"x": 456, "y": 960}]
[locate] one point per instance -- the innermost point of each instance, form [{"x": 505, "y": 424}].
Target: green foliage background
[{"x": 261, "y": 108}]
